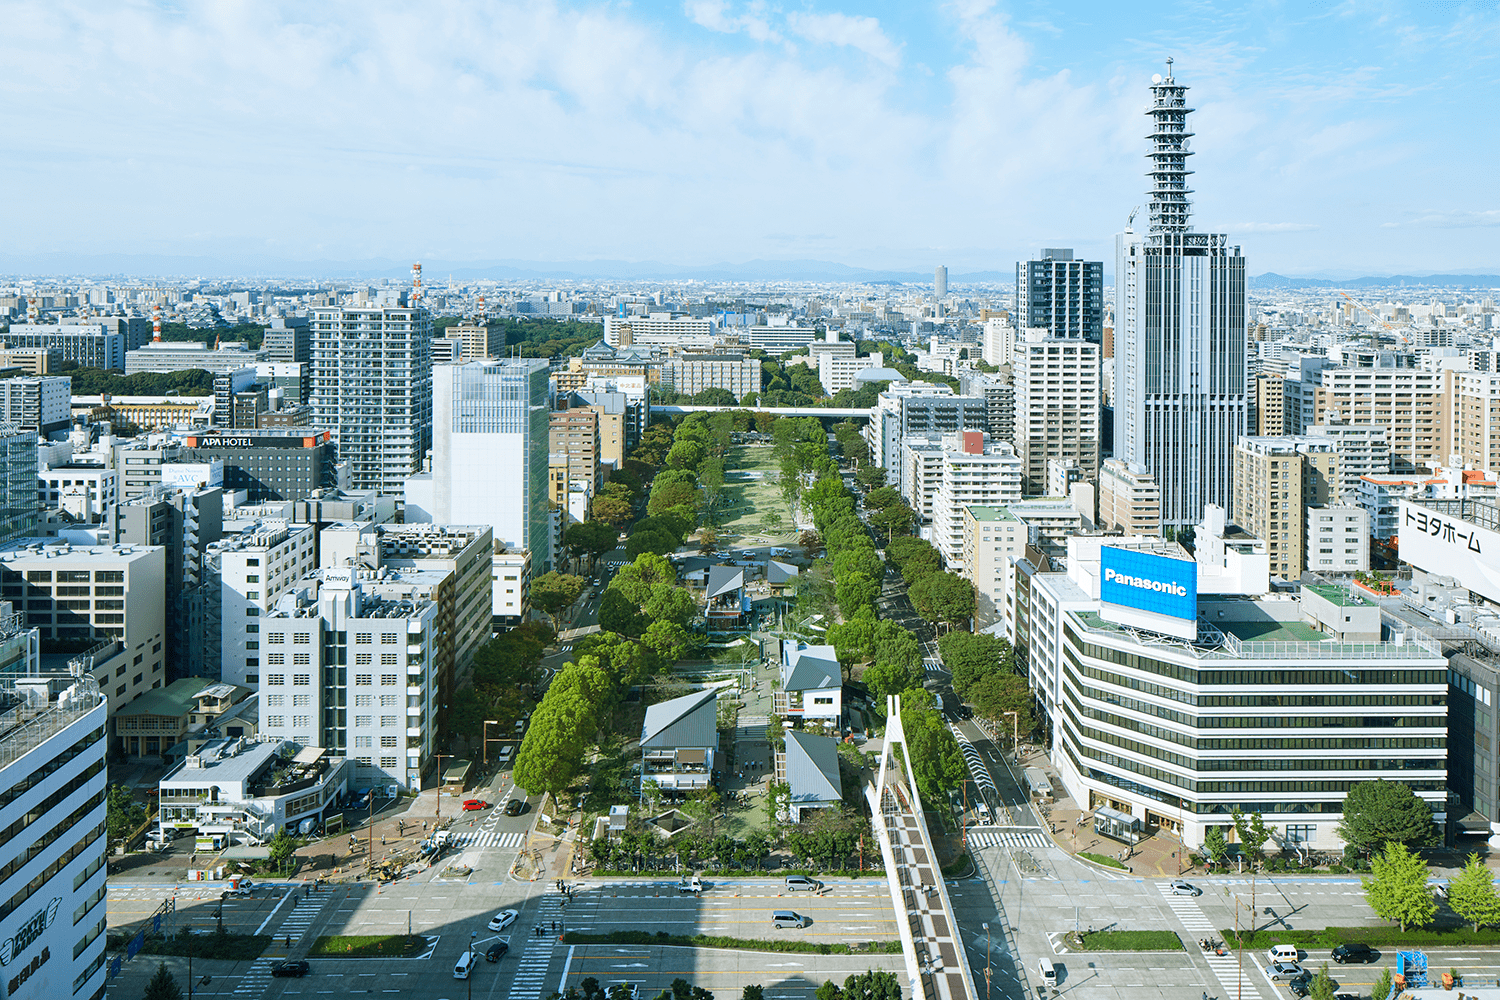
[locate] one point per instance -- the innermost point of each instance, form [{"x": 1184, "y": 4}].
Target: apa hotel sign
[{"x": 1145, "y": 590}]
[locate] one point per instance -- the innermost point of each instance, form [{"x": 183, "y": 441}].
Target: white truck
[{"x": 693, "y": 885}]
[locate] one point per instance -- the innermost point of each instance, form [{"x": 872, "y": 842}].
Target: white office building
[
  {"x": 249, "y": 572},
  {"x": 489, "y": 454},
  {"x": 92, "y": 345},
  {"x": 352, "y": 671},
  {"x": 176, "y": 356},
  {"x": 912, "y": 409},
  {"x": 52, "y": 742},
  {"x": 1179, "y": 394}
]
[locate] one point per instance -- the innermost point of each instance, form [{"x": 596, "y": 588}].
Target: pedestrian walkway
[
  {"x": 297, "y": 923},
  {"x": 977, "y": 768},
  {"x": 257, "y": 978},
  {"x": 482, "y": 838},
  {"x": 980, "y": 836},
  {"x": 1226, "y": 968},
  {"x": 536, "y": 957},
  {"x": 751, "y": 728}
]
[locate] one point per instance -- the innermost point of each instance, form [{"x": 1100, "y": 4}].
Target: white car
[{"x": 503, "y": 919}]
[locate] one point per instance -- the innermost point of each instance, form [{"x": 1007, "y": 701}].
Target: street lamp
[
  {"x": 987, "y": 943},
  {"x": 472, "y": 936}
]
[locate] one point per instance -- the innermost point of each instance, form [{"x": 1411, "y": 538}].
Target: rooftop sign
[{"x": 1145, "y": 590}]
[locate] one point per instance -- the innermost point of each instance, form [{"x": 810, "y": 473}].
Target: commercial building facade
[{"x": 268, "y": 464}]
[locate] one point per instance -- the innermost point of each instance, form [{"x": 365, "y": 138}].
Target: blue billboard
[{"x": 1144, "y": 581}]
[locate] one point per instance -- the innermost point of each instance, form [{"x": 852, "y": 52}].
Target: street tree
[
  {"x": 652, "y": 540},
  {"x": 1215, "y": 847},
  {"x": 886, "y": 496},
  {"x": 280, "y": 849},
  {"x": 935, "y": 757},
  {"x": 1005, "y": 698},
  {"x": 872, "y": 985},
  {"x": 1252, "y": 833},
  {"x": 163, "y": 985},
  {"x": 668, "y": 640},
  {"x": 871, "y": 477},
  {"x": 618, "y": 613},
  {"x": 1397, "y": 889},
  {"x": 1382, "y": 987},
  {"x": 612, "y": 508},
  {"x": 593, "y": 538},
  {"x": 943, "y": 597},
  {"x": 772, "y": 520},
  {"x": 554, "y": 592},
  {"x": 122, "y": 813},
  {"x": 1322, "y": 984},
  {"x": 887, "y": 678},
  {"x": 897, "y": 647},
  {"x": 895, "y": 519},
  {"x": 1472, "y": 895},
  {"x": 853, "y": 640},
  {"x": 753, "y": 992},
  {"x": 856, "y": 594},
  {"x": 1379, "y": 812},
  {"x": 972, "y": 656}
]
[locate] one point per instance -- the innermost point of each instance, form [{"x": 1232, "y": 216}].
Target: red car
[{"x": 472, "y": 804}]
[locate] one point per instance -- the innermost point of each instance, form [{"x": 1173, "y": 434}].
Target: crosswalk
[
  {"x": 980, "y": 836},
  {"x": 257, "y": 979},
  {"x": 977, "y": 768},
  {"x": 306, "y": 910},
  {"x": 487, "y": 838},
  {"x": 1226, "y": 968},
  {"x": 536, "y": 957},
  {"x": 932, "y": 666}
]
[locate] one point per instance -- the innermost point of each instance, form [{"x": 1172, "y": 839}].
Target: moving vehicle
[
  {"x": 1278, "y": 971},
  {"x": 465, "y": 965},
  {"x": 1354, "y": 953},
  {"x": 693, "y": 885},
  {"x": 496, "y": 951},
  {"x": 505, "y": 753},
  {"x": 292, "y": 969},
  {"x": 502, "y": 920},
  {"x": 470, "y": 805},
  {"x": 795, "y": 882},
  {"x": 1284, "y": 953},
  {"x": 515, "y": 807},
  {"x": 1181, "y": 888},
  {"x": 1047, "y": 971},
  {"x": 787, "y": 918}
]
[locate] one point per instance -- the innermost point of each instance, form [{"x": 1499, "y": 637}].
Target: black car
[
  {"x": 1354, "y": 953},
  {"x": 1301, "y": 987},
  {"x": 496, "y": 951},
  {"x": 515, "y": 807},
  {"x": 296, "y": 970}
]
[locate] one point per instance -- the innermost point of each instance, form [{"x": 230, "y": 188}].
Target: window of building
[
  {"x": 389, "y": 762},
  {"x": 362, "y": 721},
  {"x": 362, "y": 638},
  {"x": 363, "y": 700},
  {"x": 387, "y": 680},
  {"x": 275, "y": 680},
  {"x": 275, "y": 721},
  {"x": 362, "y": 742}
]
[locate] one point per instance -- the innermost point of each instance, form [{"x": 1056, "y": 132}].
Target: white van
[
  {"x": 1284, "y": 953},
  {"x": 465, "y": 966},
  {"x": 984, "y": 813},
  {"x": 1047, "y": 971}
]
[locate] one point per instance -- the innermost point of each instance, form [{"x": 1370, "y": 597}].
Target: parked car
[
  {"x": 1283, "y": 970},
  {"x": 496, "y": 951},
  {"x": 1354, "y": 953},
  {"x": 515, "y": 807},
  {"x": 293, "y": 969},
  {"x": 502, "y": 920},
  {"x": 1181, "y": 888},
  {"x": 796, "y": 882},
  {"x": 470, "y": 805}
]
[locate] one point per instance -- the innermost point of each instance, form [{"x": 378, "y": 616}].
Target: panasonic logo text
[{"x": 1160, "y": 587}]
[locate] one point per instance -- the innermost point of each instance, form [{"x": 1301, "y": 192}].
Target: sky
[{"x": 1332, "y": 139}]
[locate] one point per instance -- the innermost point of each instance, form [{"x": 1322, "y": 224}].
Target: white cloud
[
  {"x": 1273, "y": 227},
  {"x": 1448, "y": 220},
  {"x": 862, "y": 33},
  {"x": 715, "y": 15}
]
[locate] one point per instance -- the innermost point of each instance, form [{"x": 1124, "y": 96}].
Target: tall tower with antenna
[{"x": 1179, "y": 331}]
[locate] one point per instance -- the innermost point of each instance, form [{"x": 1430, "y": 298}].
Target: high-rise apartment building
[
  {"x": 912, "y": 409},
  {"x": 1276, "y": 480},
  {"x": 288, "y": 340},
  {"x": 573, "y": 434},
  {"x": 1129, "y": 499},
  {"x": 940, "y": 281},
  {"x": 1268, "y": 406},
  {"x": 244, "y": 576},
  {"x": 1061, "y": 295},
  {"x": 691, "y": 373},
  {"x": 993, "y": 539},
  {"x": 1476, "y": 419},
  {"x": 1057, "y": 405},
  {"x": 372, "y": 388},
  {"x": 974, "y": 472},
  {"x": 477, "y": 342},
  {"x": 1412, "y": 404},
  {"x": 1179, "y": 394},
  {"x": 1363, "y": 451},
  {"x": 18, "y": 481},
  {"x": 41, "y": 405},
  {"x": 489, "y": 454},
  {"x": 998, "y": 390},
  {"x": 92, "y": 345}
]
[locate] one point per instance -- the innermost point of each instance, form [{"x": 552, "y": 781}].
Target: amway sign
[{"x": 1145, "y": 590}]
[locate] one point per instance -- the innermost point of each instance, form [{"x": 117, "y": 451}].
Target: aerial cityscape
[{"x": 495, "y": 497}]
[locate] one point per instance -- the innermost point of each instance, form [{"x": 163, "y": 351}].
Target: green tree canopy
[
  {"x": 1252, "y": 833},
  {"x": 935, "y": 757},
  {"x": 652, "y": 540},
  {"x": 554, "y": 592},
  {"x": 856, "y": 594},
  {"x": 853, "y": 640},
  {"x": 943, "y": 597},
  {"x": 122, "y": 813},
  {"x": 1397, "y": 889},
  {"x": 669, "y": 640},
  {"x": 1472, "y": 895},
  {"x": 614, "y": 509},
  {"x": 871, "y": 477},
  {"x": 618, "y": 613},
  {"x": 636, "y": 578},
  {"x": 1215, "y": 847},
  {"x": 625, "y": 660},
  {"x": 1379, "y": 812},
  {"x": 592, "y": 537}
]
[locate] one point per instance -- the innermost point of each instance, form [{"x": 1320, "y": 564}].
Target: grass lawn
[
  {"x": 230, "y": 947},
  {"x": 743, "y": 944},
  {"x": 367, "y": 946},
  {"x": 1127, "y": 941},
  {"x": 749, "y": 498},
  {"x": 1387, "y": 938},
  {"x": 1100, "y": 859}
]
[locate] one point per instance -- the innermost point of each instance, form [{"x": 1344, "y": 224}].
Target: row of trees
[
  {"x": 867, "y": 985},
  {"x": 937, "y": 595},
  {"x": 987, "y": 675}
]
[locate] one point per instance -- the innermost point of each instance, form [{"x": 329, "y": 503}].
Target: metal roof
[
  {"x": 689, "y": 721},
  {"x": 812, "y": 768}
]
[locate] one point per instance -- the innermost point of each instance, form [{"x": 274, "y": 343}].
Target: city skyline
[{"x": 875, "y": 136}]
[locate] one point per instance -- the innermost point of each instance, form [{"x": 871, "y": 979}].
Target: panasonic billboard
[{"x": 1145, "y": 590}]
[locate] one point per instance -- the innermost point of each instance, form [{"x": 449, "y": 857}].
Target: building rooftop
[
  {"x": 33, "y": 708},
  {"x": 1338, "y": 595},
  {"x": 224, "y": 761},
  {"x": 981, "y": 513},
  {"x": 34, "y": 549},
  {"x": 177, "y": 698},
  {"x": 1273, "y": 631}
]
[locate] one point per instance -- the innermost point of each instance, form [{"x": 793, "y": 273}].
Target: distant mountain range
[
  {"x": 438, "y": 271},
  {"x": 1273, "y": 280}
]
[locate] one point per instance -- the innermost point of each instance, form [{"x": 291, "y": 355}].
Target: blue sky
[{"x": 1332, "y": 138}]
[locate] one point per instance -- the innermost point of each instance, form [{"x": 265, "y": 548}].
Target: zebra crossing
[
  {"x": 932, "y": 666},
  {"x": 296, "y": 923},
  {"x": 977, "y": 768},
  {"x": 257, "y": 978},
  {"x": 536, "y": 958},
  {"x": 979, "y": 836},
  {"x": 487, "y": 838},
  {"x": 1226, "y": 968}
]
